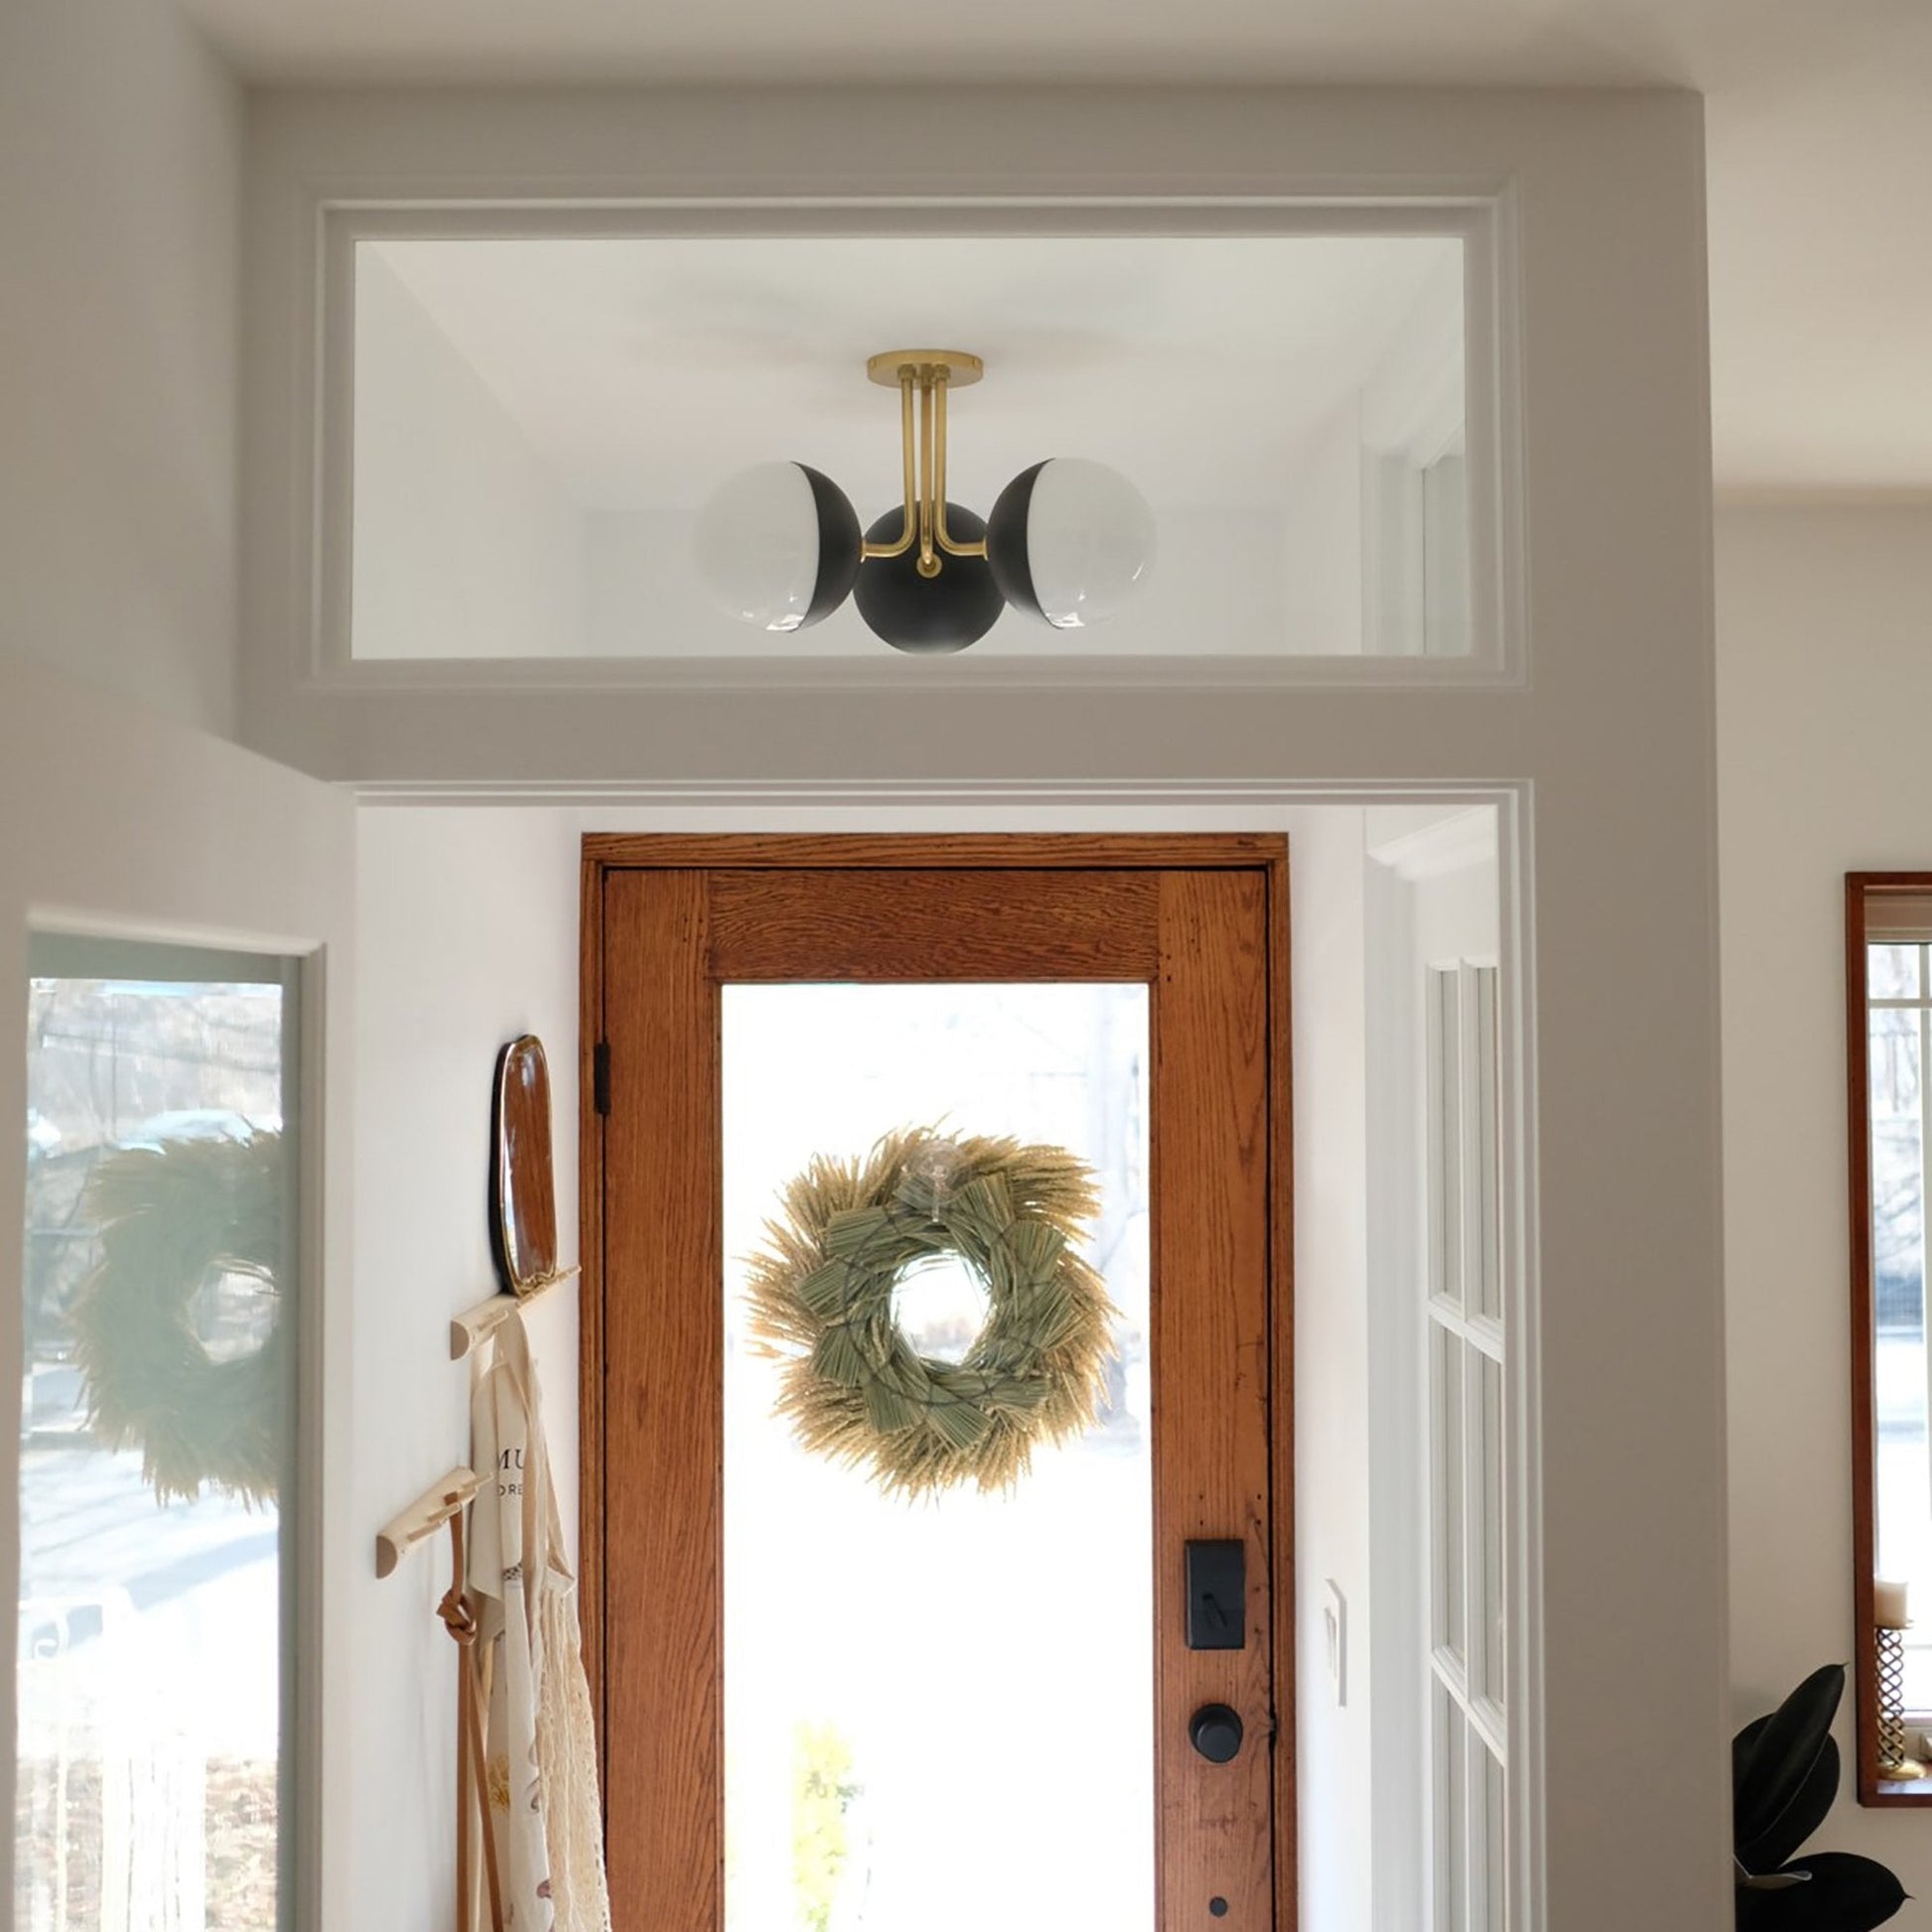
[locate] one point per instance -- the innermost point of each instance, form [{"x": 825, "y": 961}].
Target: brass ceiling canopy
[{"x": 954, "y": 366}]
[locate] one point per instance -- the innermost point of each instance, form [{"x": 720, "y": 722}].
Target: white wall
[
  {"x": 467, "y": 924},
  {"x": 1332, "y": 1373},
  {"x": 1606, "y": 589},
  {"x": 120, "y": 145},
  {"x": 466, "y": 544},
  {"x": 1824, "y": 692},
  {"x": 1317, "y": 549}
]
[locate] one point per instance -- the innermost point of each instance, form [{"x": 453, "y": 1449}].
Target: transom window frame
[{"x": 319, "y": 591}]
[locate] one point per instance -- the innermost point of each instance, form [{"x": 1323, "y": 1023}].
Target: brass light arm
[
  {"x": 908, "y": 531},
  {"x": 941, "y": 377}
]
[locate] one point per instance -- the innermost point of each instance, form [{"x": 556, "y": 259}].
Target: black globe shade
[
  {"x": 1007, "y": 552},
  {"x": 838, "y": 545},
  {"x": 928, "y": 614}
]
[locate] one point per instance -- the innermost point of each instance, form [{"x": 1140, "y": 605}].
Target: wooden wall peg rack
[
  {"x": 473, "y": 1326},
  {"x": 423, "y": 1518}
]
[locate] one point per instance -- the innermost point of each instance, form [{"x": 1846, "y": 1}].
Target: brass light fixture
[{"x": 780, "y": 546}]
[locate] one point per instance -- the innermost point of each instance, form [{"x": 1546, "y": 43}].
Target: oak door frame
[{"x": 1266, "y": 853}]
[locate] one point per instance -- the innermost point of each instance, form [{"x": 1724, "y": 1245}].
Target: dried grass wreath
[
  {"x": 168, "y": 1216},
  {"x": 855, "y": 1389}
]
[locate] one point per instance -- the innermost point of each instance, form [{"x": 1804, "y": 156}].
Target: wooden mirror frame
[
  {"x": 1860, "y": 889},
  {"x": 523, "y": 1170}
]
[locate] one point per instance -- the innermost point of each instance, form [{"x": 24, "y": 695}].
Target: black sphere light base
[{"x": 927, "y": 614}]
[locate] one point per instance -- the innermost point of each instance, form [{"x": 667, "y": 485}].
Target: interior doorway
[{"x": 826, "y": 1695}]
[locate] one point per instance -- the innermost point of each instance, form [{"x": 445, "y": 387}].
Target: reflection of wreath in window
[
  {"x": 855, "y": 1388},
  {"x": 171, "y": 1218}
]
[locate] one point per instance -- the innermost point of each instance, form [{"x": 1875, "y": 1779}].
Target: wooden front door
[{"x": 824, "y": 1707}]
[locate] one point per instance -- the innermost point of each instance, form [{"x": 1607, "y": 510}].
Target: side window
[{"x": 155, "y": 1439}]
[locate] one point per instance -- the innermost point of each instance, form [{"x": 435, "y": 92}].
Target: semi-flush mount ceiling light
[{"x": 778, "y": 546}]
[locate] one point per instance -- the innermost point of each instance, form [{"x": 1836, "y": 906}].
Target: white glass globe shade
[
  {"x": 756, "y": 546},
  {"x": 1090, "y": 541}
]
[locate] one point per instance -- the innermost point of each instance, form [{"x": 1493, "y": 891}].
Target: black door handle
[{"x": 1215, "y": 1731}]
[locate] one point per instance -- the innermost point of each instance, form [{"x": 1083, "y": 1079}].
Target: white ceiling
[
  {"x": 1820, "y": 119},
  {"x": 646, "y": 371}
]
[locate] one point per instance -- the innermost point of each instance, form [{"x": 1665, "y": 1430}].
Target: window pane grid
[{"x": 1485, "y": 1338}]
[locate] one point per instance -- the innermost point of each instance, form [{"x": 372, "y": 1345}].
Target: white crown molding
[
  {"x": 886, "y": 795},
  {"x": 1438, "y": 846}
]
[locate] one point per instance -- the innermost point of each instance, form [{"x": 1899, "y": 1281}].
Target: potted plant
[{"x": 1784, "y": 1773}]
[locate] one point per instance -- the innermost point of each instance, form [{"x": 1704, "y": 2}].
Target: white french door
[{"x": 1463, "y": 1453}]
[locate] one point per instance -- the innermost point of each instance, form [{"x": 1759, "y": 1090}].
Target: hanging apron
[{"x": 540, "y": 1793}]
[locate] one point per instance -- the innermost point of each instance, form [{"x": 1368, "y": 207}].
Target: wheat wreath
[
  {"x": 855, "y": 1389},
  {"x": 168, "y": 1216}
]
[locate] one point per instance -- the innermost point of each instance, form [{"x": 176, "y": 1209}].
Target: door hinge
[{"x": 600, "y": 1076}]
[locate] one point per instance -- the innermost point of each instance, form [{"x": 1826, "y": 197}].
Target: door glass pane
[
  {"x": 1496, "y": 1870},
  {"x": 1485, "y": 1156},
  {"x": 1491, "y": 1376},
  {"x": 1447, "y": 1461},
  {"x": 155, "y": 1440},
  {"x": 1452, "y": 1814},
  {"x": 939, "y": 1713},
  {"x": 1444, "y": 1035}
]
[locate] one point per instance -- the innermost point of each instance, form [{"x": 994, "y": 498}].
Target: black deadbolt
[
  {"x": 1215, "y": 1731},
  {"x": 1217, "y": 1594}
]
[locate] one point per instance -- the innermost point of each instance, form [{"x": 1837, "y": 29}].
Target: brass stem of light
[
  {"x": 929, "y": 558},
  {"x": 928, "y": 374}
]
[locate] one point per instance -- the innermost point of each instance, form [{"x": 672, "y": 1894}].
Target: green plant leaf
[
  {"x": 1780, "y": 1763},
  {"x": 1741, "y": 1748},
  {"x": 1777, "y": 1845},
  {"x": 1842, "y": 1893}
]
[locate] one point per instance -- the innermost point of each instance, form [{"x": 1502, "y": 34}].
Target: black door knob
[{"x": 1215, "y": 1731}]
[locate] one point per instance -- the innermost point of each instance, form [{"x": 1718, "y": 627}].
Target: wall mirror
[
  {"x": 522, "y": 1180},
  {"x": 1889, "y": 1037}
]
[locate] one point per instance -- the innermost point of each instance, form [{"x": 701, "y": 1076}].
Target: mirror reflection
[{"x": 1890, "y": 1036}]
